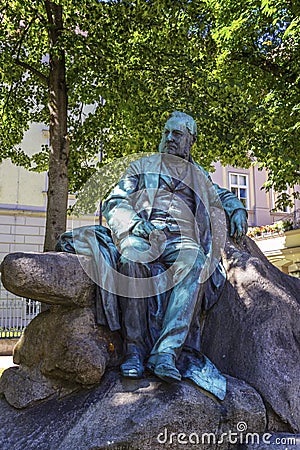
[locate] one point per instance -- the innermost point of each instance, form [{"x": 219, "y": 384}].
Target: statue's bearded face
[{"x": 176, "y": 139}]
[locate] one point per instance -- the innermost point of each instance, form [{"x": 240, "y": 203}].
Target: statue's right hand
[{"x": 143, "y": 229}]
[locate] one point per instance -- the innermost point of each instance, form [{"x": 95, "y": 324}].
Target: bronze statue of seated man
[{"x": 168, "y": 221}]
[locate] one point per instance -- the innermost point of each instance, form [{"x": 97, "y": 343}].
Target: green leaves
[
  {"x": 258, "y": 49},
  {"x": 233, "y": 65}
]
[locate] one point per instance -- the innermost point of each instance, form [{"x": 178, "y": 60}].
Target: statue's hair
[{"x": 189, "y": 121}]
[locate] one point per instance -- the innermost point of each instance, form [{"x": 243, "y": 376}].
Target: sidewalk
[{"x": 6, "y": 361}]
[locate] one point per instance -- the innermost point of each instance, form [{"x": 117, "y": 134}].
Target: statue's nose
[{"x": 169, "y": 136}]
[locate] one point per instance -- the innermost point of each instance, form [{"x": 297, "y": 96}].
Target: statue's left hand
[{"x": 238, "y": 224}]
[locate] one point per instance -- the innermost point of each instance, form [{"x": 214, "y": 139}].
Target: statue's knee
[
  {"x": 192, "y": 258},
  {"x": 190, "y": 263}
]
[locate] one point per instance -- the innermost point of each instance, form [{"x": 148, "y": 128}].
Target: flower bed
[{"x": 276, "y": 228}]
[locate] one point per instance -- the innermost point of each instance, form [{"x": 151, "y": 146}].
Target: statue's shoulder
[
  {"x": 201, "y": 169},
  {"x": 145, "y": 163}
]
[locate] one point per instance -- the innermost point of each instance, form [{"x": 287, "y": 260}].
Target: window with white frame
[{"x": 238, "y": 184}]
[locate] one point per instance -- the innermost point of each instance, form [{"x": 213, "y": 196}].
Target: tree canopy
[
  {"x": 258, "y": 50},
  {"x": 232, "y": 65}
]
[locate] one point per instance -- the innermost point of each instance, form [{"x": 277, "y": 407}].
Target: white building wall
[
  {"x": 23, "y": 201},
  {"x": 23, "y": 232}
]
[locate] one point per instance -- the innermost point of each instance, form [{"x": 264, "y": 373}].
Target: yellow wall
[
  {"x": 19, "y": 186},
  {"x": 23, "y": 201}
]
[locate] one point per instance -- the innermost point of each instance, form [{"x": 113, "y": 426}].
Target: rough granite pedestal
[{"x": 66, "y": 392}]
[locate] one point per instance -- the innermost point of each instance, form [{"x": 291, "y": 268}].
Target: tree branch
[
  {"x": 33, "y": 70},
  {"x": 49, "y": 12},
  {"x": 18, "y": 45},
  {"x": 8, "y": 96},
  {"x": 38, "y": 15},
  {"x": 265, "y": 65},
  {"x": 26, "y": 66}
]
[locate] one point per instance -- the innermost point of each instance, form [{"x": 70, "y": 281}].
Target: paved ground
[{"x": 6, "y": 361}]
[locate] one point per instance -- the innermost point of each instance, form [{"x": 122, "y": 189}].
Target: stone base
[
  {"x": 61, "y": 351},
  {"x": 145, "y": 414},
  {"x": 35, "y": 387},
  {"x": 252, "y": 333}
]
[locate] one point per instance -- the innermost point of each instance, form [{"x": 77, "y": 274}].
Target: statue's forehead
[{"x": 175, "y": 124}]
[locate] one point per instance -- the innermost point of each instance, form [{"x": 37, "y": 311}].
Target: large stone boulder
[
  {"x": 140, "y": 415},
  {"x": 253, "y": 332},
  {"x": 61, "y": 351},
  {"x": 54, "y": 278}
]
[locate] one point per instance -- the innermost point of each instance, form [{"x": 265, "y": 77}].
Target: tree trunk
[{"x": 59, "y": 146}]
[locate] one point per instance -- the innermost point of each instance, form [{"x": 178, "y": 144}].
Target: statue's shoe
[
  {"x": 201, "y": 371},
  {"x": 163, "y": 366},
  {"x": 132, "y": 367}
]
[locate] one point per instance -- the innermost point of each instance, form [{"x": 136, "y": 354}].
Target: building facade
[{"x": 247, "y": 185}]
